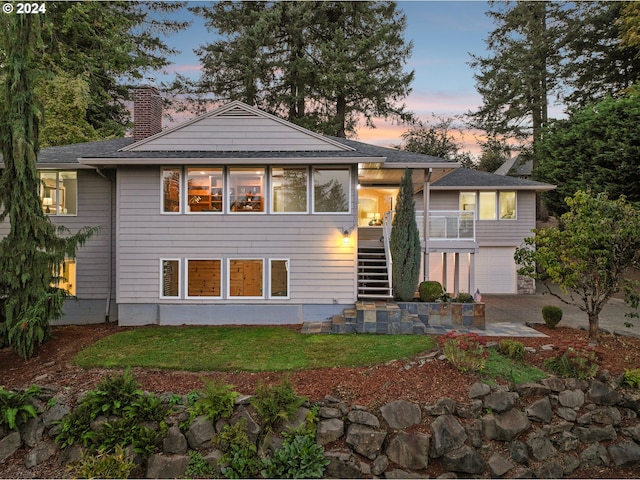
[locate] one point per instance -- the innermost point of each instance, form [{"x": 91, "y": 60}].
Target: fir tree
[
  {"x": 405, "y": 243},
  {"x": 32, "y": 254}
]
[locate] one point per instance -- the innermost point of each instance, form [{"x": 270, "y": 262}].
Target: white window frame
[
  {"x": 181, "y": 195},
  {"x": 185, "y": 187},
  {"x": 228, "y": 279},
  {"x": 179, "y": 296},
  {"x": 273, "y": 197},
  {"x": 265, "y": 188},
  {"x": 56, "y": 200},
  {"x": 348, "y": 193},
  {"x": 515, "y": 205},
  {"x": 186, "y": 279},
  {"x": 288, "y": 267},
  {"x": 497, "y": 204}
]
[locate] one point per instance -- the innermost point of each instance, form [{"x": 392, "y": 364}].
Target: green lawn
[{"x": 245, "y": 349}]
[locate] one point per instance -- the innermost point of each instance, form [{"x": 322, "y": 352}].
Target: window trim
[
  {"x": 186, "y": 279},
  {"x": 57, "y": 199},
  {"x": 497, "y": 204},
  {"x": 185, "y": 187},
  {"x": 228, "y": 280},
  {"x": 288, "y": 267},
  {"x": 168, "y": 259},
  {"x": 180, "y": 193},
  {"x": 515, "y": 205},
  {"x": 348, "y": 193},
  {"x": 265, "y": 187},
  {"x": 272, "y": 210}
]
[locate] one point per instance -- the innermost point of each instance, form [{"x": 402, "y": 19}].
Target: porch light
[{"x": 345, "y": 238}]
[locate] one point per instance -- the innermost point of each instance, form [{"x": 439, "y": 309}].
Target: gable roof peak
[{"x": 236, "y": 126}]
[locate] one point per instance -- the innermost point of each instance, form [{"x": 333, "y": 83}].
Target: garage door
[{"x": 496, "y": 270}]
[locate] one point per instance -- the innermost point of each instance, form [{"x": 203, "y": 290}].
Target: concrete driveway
[{"x": 527, "y": 309}]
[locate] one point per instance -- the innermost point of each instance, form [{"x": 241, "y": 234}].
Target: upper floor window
[
  {"x": 246, "y": 189},
  {"x": 204, "y": 189},
  {"x": 289, "y": 189},
  {"x": 171, "y": 181},
  {"x": 490, "y": 205},
  {"x": 59, "y": 192},
  {"x": 284, "y": 189},
  {"x": 331, "y": 190}
]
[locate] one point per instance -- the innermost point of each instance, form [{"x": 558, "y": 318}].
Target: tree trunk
[
  {"x": 341, "y": 117},
  {"x": 594, "y": 325}
]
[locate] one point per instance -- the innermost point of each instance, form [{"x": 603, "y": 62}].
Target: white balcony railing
[{"x": 448, "y": 225}]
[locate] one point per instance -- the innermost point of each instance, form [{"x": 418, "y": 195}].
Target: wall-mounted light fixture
[{"x": 346, "y": 233}]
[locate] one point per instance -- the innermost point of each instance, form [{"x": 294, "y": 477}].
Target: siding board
[{"x": 321, "y": 268}]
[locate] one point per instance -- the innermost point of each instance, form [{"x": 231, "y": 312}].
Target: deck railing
[
  {"x": 386, "y": 233},
  {"x": 448, "y": 224}
]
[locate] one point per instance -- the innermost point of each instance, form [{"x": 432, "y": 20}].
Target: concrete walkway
[{"x": 527, "y": 309}]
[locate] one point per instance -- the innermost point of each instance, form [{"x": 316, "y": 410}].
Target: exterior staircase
[{"x": 373, "y": 272}]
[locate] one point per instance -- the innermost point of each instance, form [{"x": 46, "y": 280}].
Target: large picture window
[
  {"x": 246, "y": 278},
  {"x": 204, "y": 278},
  {"x": 331, "y": 192},
  {"x": 59, "y": 192},
  {"x": 246, "y": 189},
  {"x": 171, "y": 180},
  {"x": 487, "y": 206},
  {"x": 289, "y": 189},
  {"x": 204, "y": 189}
]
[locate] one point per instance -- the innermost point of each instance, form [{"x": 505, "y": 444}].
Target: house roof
[
  {"x": 516, "y": 166},
  {"x": 233, "y": 134},
  {"x": 478, "y": 180}
]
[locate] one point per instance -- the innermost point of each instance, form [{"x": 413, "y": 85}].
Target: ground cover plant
[{"x": 245, "y": 348}]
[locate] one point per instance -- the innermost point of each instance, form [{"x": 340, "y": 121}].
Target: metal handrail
[{"x": 387, "y": 220}]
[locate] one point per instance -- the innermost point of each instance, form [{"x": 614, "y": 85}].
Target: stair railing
[{"x": 387, "y": 220}]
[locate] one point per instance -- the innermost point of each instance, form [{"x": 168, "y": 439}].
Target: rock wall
[{"x": 546, "y": 430}]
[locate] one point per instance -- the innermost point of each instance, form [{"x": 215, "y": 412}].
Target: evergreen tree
[
  {"x": 405, "y": 243},
  {"x": 321, "y": 65},
  {"x": 600, "y": 56},
  {"x": 94, "y": 51},
  {"x": 596, "y": 149},
  {"x": 516, "y": 79},
  {"x": 32, "y": 254}
]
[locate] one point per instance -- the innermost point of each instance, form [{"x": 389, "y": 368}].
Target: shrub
[
  {"x": 113, "y": 394},
  {"x": 299, "y": 457},
  {"x": 574, "y": 361},
  {"x": 632, "y": 377},
  {"x": 240, "y": 455},
  {"x": 15, "y": 408},
  {"x": 467, "y": 352},
  {"x": 551, "y": 315},
  {"x": 105, "y": 465},
  {"x": 464, "y": 297},
  {"x": 511, "y": 348},
  {"x": 276, "y": 403},
  {"x": 430, "y": 291},
  {"x": 216, "y": 400},
  {"x": 198, "y": 466}
]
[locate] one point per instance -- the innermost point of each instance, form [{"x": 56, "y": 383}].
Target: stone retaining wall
[{"x": 546, "y": 430}]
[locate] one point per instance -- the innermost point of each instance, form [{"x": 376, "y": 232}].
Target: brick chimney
[{"x": 147, "y": 111}]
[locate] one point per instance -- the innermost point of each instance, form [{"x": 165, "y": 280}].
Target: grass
[
  {"x": 250, "y": 349},
  {"x": 501, "y": 367}
]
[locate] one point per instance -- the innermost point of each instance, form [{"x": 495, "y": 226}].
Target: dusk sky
[{"x": 444, "y": 33}]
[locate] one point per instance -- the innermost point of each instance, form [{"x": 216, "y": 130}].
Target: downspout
[
  {"x": 426, "y": 194},
  {"x": 107, "y": 310}
]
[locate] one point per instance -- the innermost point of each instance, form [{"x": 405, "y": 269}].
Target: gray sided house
[{"x": 239, "y": 217}]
